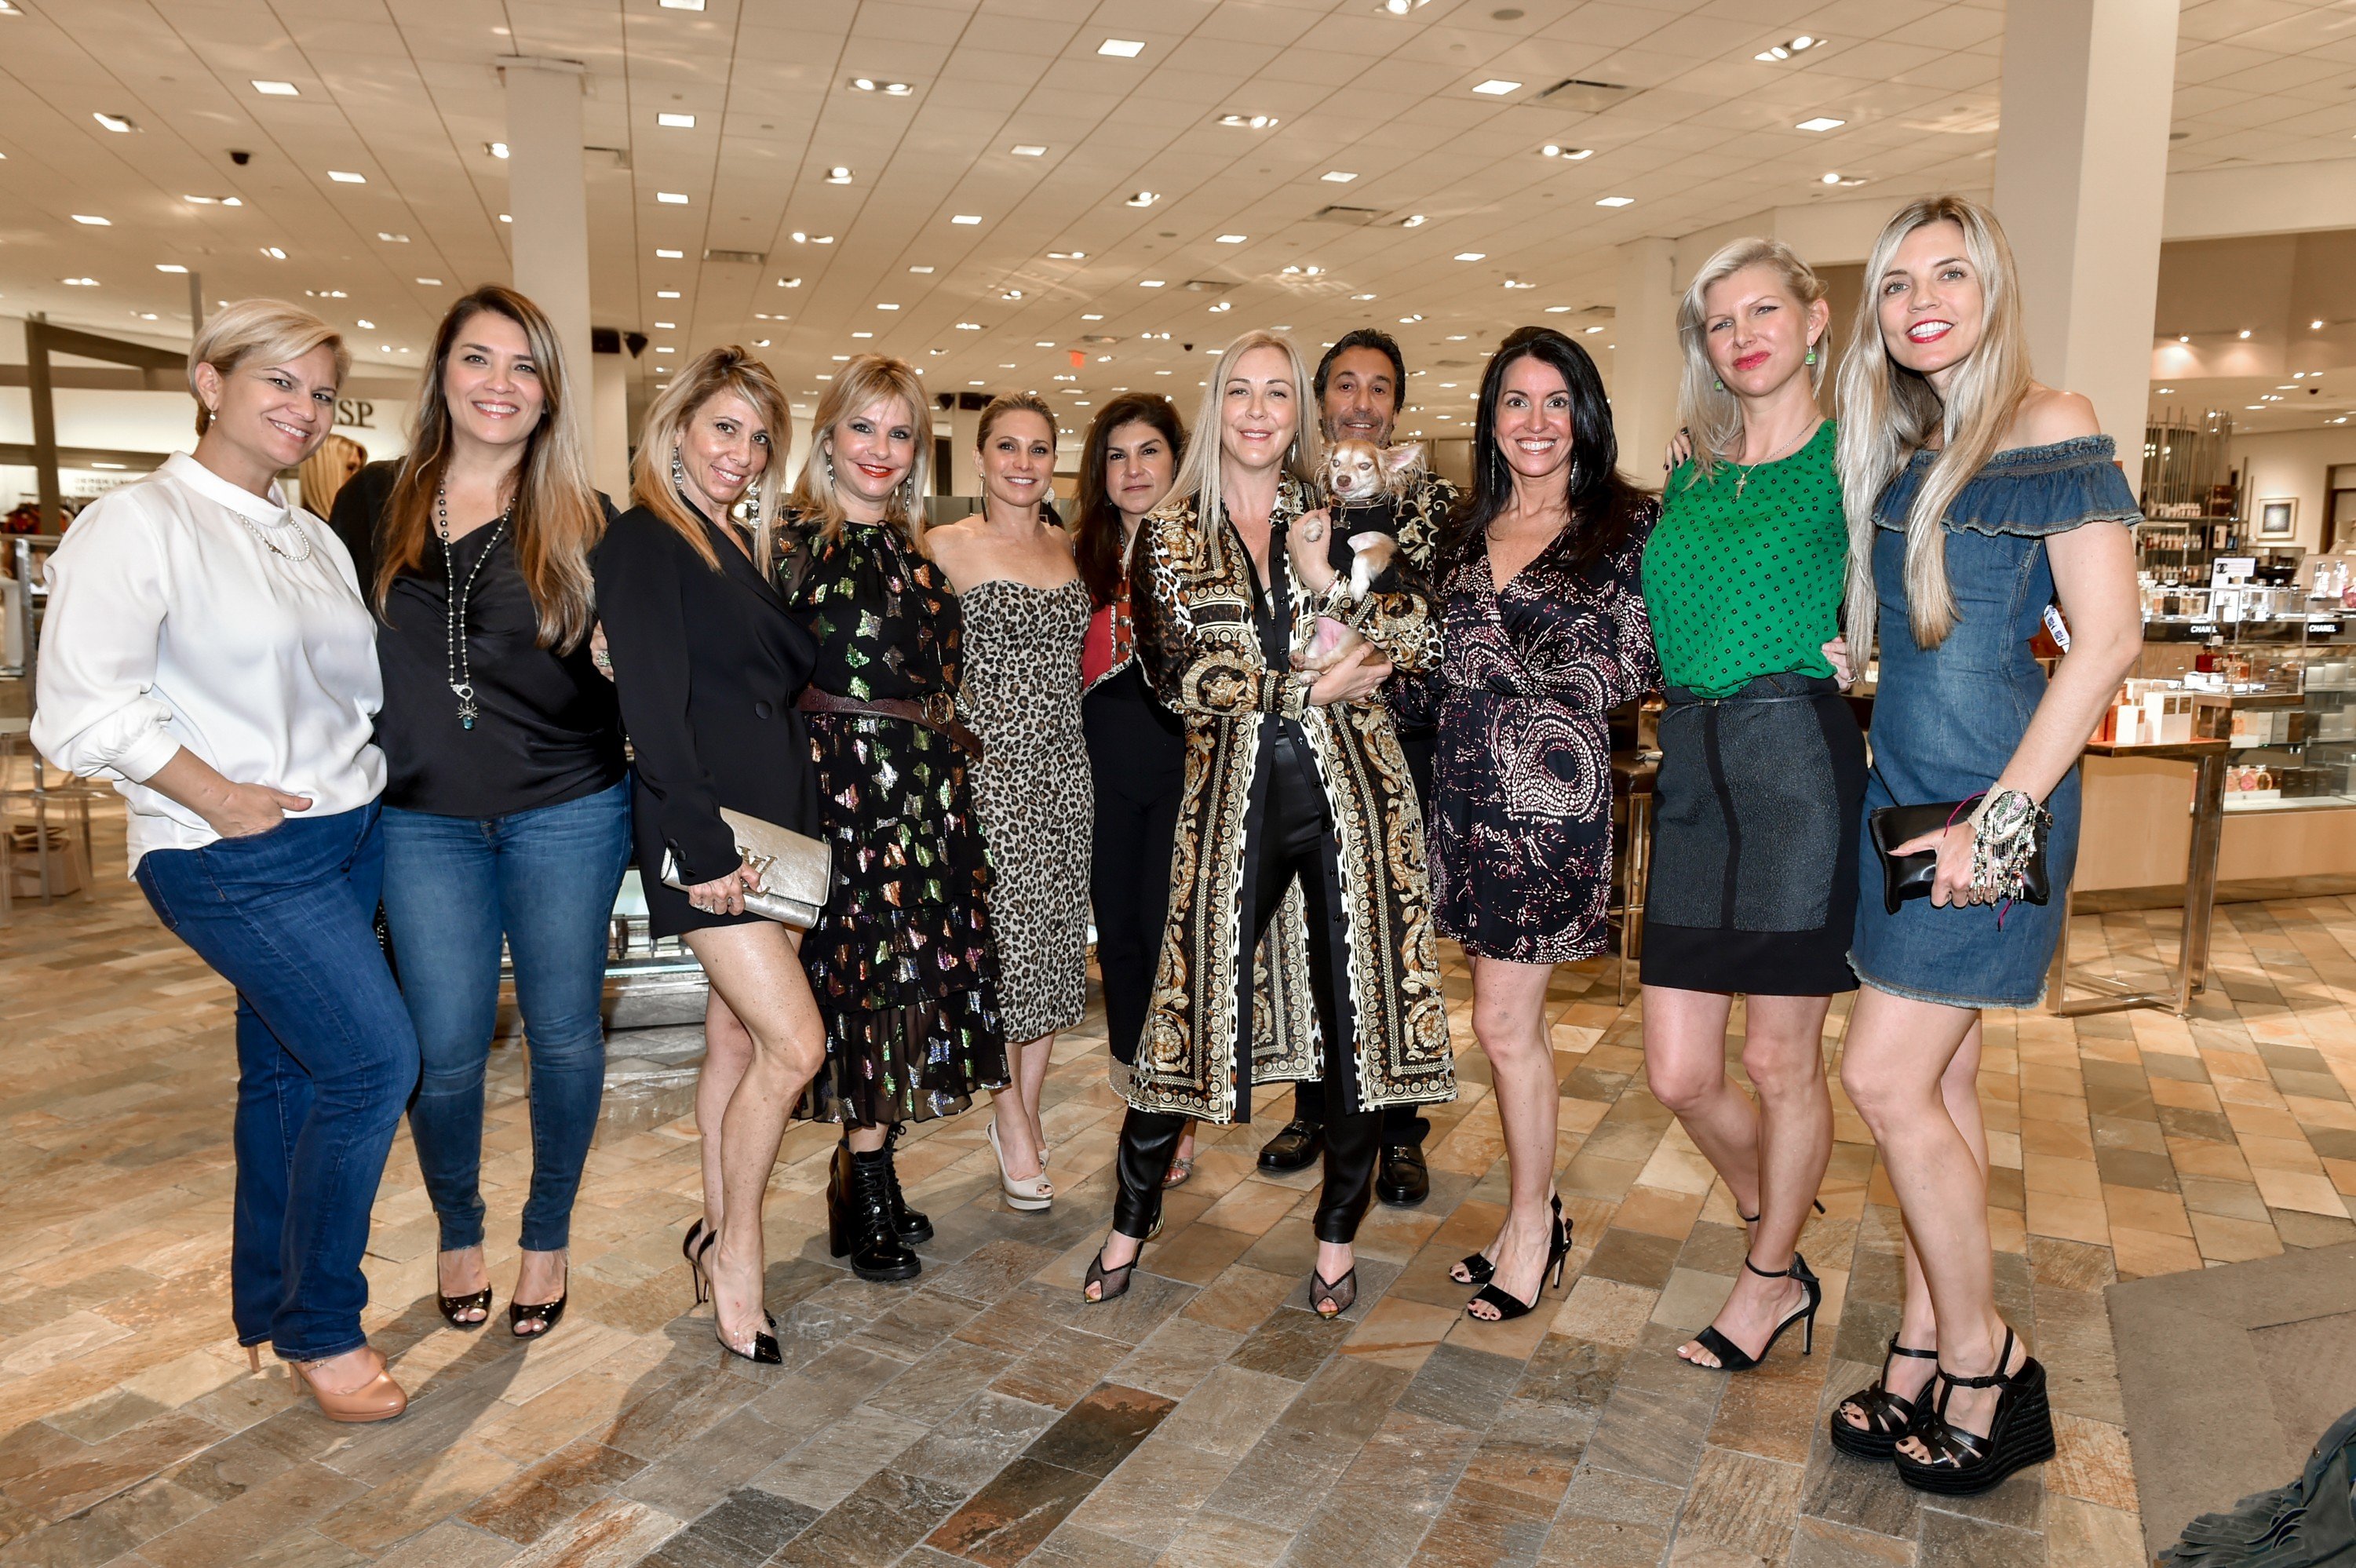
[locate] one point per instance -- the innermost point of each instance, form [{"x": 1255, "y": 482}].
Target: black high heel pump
[
  {"x": 1733, "y": 1358},
  {"x": 1510, "y": 1306},
  {"x": 699, "y": 1241}
]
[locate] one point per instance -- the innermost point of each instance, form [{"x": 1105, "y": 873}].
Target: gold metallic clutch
[{"x": 796, "y": 871}]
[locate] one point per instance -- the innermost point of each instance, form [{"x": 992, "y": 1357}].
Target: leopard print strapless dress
[{"x": 1021, "y": 695}]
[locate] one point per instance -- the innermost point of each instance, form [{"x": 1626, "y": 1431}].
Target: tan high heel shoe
[{"x": 379, "y": 1398}]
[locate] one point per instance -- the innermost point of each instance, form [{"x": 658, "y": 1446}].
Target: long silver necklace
[
  {"x": 461, "y": 673},
  {"x": 1743, "y": 472}
]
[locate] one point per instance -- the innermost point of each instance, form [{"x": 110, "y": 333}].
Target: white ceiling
[{"x": 406, "y": 94}]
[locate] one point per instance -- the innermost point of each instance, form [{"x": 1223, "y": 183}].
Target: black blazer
[{"x": 707, "y": 666}]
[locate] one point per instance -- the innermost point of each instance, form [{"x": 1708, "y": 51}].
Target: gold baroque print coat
[{"x": 1201, "y": 646}]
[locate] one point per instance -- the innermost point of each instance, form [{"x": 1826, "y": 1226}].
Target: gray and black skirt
[{"x": 1754, "y": 886}]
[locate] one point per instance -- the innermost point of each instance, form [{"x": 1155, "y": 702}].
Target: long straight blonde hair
[
  {"x": 711, "y": 373},
  {"x": 864, "y": 380},
  {"x": 1709, "y": 412},
  {"x": 1198, "y": 478},
  {"x": 557, "y": 521},
  {"x": 1889, "y": 413}
]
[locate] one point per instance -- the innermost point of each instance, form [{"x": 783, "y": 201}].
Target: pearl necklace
[
  {"x": 460, "y": 673},
  {"x": 272, "y": 544}
]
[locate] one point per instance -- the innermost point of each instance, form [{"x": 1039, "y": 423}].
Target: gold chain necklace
[{"x": 1742, "y": 476}]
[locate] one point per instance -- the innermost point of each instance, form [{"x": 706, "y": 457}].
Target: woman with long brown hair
[
  {"x": 1137, "y": 748},
  {"x": 506, "y": 817},
  {"x": 708, "y": 665},
  {"x": 902, "y": 960}
]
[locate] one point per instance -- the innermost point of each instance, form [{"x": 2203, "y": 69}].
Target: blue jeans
[
  {"x": 326, "y": 1059},
  {"x": 545, "y": 879}
]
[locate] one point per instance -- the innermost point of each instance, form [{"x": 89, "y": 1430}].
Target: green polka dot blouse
[{"x": 1741, "y": 586}]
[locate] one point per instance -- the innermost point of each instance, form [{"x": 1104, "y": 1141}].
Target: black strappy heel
[
  {"x": 1476, "y": 1269},
  {"x": 1890, "y": 1419},
  {"x": 2019, "y": 1435},
  {"x": 1342, "y": 1293},
  {"x": 1754, "y": 1218},
  {"x": 1510, "y": 1306},
  {"x": 1732, "y": 1358}
]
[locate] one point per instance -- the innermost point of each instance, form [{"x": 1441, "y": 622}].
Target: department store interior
[{"x": 1108, "y": 191}]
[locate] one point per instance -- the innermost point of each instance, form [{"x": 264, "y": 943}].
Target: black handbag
[{"x": 1905, "y": 876}]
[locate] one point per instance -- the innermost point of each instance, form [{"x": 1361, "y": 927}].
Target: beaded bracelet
[{"x": 2004, "y": 840}]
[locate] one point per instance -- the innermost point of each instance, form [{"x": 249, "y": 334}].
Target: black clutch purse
[{"x": 1905, "y": 876}]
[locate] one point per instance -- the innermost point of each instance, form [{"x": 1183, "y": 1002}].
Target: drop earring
[
  {"x": 753, "y": 506},
  {"x": 1718, "y": 386},
  {"x": 677, "y": 472},
  {"x": 1812, "y": 353}
]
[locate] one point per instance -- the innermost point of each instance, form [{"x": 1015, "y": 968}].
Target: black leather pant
[{"x": 1294, "y": 838}]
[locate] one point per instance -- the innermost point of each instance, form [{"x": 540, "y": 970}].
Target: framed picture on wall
[{"x": 2278, "y": 518}]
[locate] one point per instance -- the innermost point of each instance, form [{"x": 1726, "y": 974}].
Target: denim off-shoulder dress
[{"x": 1946, "y": 719}]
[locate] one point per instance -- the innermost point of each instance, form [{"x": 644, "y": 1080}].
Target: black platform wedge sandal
[
  {"x": 2019, "y": 1435},
  {"x": 1890, "y": 1419}
]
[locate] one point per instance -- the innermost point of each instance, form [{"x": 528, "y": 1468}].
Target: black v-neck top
[{"x": 547, "y": 730}]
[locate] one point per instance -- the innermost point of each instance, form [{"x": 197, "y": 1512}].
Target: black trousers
[
  {"x": 1294, "y": 839},
  {"x": 1136, "y": 754}
]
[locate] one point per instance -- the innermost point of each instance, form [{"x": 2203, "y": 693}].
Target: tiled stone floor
[{"x": 984, "y": 1415}]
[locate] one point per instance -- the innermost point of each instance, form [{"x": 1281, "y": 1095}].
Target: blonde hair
[
  {"x": 730, "y": 369},
  {"x": 327, "y": 471},
  {"x": 1005, "y": 404},
  {"x": 1888, "y": 413},
  {"x": 1198, "y": 470},
  {"x": 1709, "y": 413},
  {"x": 557, "y": 517},
  {"x": 866, "y": 380},
  {"x": 270, "y": 331}
]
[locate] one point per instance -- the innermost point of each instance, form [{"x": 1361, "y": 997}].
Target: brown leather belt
[{"x": 814, "y": 701}]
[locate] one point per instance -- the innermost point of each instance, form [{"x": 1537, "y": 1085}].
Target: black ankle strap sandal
[
  {"x": 2020, "y": 1432},
  {"x": 1733, "y": 1358},
  {"x": 1890, "y": 1419}
]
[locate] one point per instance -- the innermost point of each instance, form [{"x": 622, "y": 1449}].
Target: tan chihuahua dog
[{"x": 1363, "y": 484}]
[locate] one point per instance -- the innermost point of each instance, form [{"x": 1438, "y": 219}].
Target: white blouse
[{"x": 172, "y": 623}]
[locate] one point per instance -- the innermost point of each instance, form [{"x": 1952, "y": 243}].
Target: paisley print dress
[
  {"x": 1521, "y": 814},
  {"x": 901, "y": 961},
  {"x": 1021, "y": 695}
]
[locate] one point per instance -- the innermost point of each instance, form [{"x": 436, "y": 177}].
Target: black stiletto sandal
[
  {"x": 1110, "y": 1283},
  {"x": 474, "y": 1301},
  {"x": 1342, "y": 1293},
  {"x": 1732, "y": 1358},
  {"x": 1754, "y": 1218},
  {"x": 1890, "y": 1419},
  {"x": 2020, "y": 1432},
  {"x": 1476, "y": 1269},
  {"x": 1510, "y": 1306}
]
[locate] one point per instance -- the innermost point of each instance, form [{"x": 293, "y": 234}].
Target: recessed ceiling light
[
  {"x": 2164, "y": 390},
  {"x": 1123, "y": 48},
  {"x": 1145, "y": 198},
  {"x": 760, "y": 342},
  {"x": 1573, "y": 155},
  {"x": 1472, "y": 255},
  {"x": 274, "y": 253},
  {"x": 346, "y": 177},
  {"x": 789, "y": 283},
  {"x": 278, "y": 88},
  {"x": 671, "y": 198},
  {"x": 1149, "y": 283},
  {"x": 1233, "y": 239},
  {"x": 1497, "y": 87},
  {"x": 391, "y": 239},
  {"x": 79, "y": 283},
  {"x": 967, "y": 218},
  {"x": 365, "y": 322},
  {"x": 1012, "y": 293},
  {"x": 838, "y": 175},
  {"x": 2315, "y": 327},
  {"x": 663, "y": 255},
  {"x": 215, "y": 200},
  {"x": 672, "y": 326},
  {"x": 95, "y": 222},
  {"x": 863, "y": 334},
  {"x": 170, "y": 267},
  {"x": 1248, "y": 122},
  {"x": 969, "y": 326},
  {"x": 1223, "y": 305},
  {"x": 497, "y": 149},
  {"x": 1615, "y": 201},
  {"x": 122, "y": 125},
  {"x": 676, "y": 121},
  {"x": 665, "y": 294},
  {"x": 2245, "y": 333},
  {"x": 1091, "y": 316},
  {"x": 683, "y": 5},
  {"x": 1515, "y": 283},
  {"x": 2184, "y": 337},
  {"x": 1362, "y": 296},
  {"x": 920, "y": 269},
  {"x": 1337, "y": 177},
  {"x": 887, "y": 308},
  {"x": 1410, "y": 320},
  {"x": 431, "y": 283},
  {"x": 1412, "y": 221},
  {"x": 1821, "y": 123},
  {"x": 1043, "y": 343},
  {"x": 1067, "y": 255},
  {"x": 1027, "y": 150},
  {"x": 1592, "y": 331}
]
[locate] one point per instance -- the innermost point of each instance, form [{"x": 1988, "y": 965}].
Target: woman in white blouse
[{"x": 206, "y": 648}]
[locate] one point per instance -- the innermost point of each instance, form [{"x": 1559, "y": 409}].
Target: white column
[
  {"x": 608, "y": 425},
  {"x": 1645, "y": 357},
  {"x": 548, "y": 199},
  {"x": 2081, "y": 188}
]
